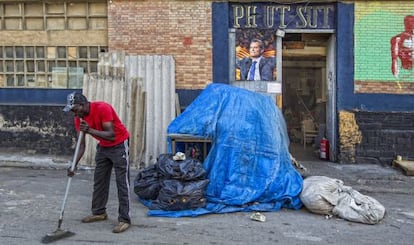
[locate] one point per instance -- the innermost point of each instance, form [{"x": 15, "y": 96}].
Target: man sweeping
[{"x": 100, "y": 120}]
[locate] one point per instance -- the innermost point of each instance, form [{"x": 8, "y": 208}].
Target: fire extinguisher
[{"x": 324, "y": 149}]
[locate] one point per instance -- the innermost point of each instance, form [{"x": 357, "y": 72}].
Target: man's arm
[{"x": 107, "y": 133}]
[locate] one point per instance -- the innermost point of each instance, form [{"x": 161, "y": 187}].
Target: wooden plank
[
  {"x": 187, "y": 138},
  {"x": 177, "y": 105},
  {"x": 407, "y": 166}
]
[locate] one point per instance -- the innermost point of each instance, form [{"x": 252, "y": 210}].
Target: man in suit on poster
[{"x": 256, "y": 67}]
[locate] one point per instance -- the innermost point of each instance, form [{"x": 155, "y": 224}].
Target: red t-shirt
[{"x": 100, "y": 112}]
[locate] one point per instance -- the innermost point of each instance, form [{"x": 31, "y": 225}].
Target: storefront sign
[{"x": 283, "y": 16}]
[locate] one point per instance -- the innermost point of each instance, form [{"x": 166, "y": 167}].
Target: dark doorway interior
[{"x": 304, "y": 89}]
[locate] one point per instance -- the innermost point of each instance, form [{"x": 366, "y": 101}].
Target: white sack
[
  {"x": 320, "y": 194},
  {"x": 354, "y": 206},
  {"x": 324, "y": 195}
]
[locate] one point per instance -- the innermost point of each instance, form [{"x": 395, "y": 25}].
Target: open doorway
[{"x": 304, "y": 91}]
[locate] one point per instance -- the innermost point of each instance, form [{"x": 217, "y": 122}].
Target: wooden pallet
[{"x": 407, "y": 166}]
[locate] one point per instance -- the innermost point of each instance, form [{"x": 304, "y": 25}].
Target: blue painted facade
[
  {"x": 383, "y": 119},
  {"x": 220, "y": 15},
  {"x": 346, "y": 98},
  {"x": 30, "y": 96}
]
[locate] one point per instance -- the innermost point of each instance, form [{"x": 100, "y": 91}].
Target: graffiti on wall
[
  {"x": 402, "y": 48},
  {"x": 384, "y": 48}
]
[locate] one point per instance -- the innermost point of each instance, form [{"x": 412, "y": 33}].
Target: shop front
[{"x": 297, "y": 44}]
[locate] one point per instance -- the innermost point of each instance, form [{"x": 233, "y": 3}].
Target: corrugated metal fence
[{"x": 142, "y": 90}]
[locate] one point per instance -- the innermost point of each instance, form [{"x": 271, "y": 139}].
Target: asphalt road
[{"x": 31, "y": 198}]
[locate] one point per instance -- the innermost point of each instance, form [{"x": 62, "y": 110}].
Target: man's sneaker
[
  {"x": 120, "y": 227},
  {"x": 94, "y": 218}
]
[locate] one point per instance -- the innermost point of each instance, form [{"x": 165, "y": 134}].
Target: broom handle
[{"x": 72, "y": 167}]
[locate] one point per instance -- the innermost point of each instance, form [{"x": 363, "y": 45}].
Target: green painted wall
[{"x": 375, "y": 24}]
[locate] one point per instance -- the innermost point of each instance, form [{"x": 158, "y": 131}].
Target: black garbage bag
[
  {"x": 179, "y": 195},
  {"x": 147, "y": 183},
  {"x": 186, "y": 170}
]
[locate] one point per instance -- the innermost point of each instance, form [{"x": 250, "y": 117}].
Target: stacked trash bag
[{"x": 175, "y": 182}]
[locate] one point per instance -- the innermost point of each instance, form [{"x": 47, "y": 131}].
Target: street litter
[
  {"x": 258, "y": 217},
  {"x": 172, "y": 183},
  {"x": 179, "y": 156}
]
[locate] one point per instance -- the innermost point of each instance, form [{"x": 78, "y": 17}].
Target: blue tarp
[{"x": 249, "y": 164}]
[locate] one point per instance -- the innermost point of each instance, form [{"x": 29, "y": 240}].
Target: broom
[{"x": 59, "y": 233}]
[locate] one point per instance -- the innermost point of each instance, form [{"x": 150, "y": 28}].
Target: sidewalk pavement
[{"x": 32, "y": 191}]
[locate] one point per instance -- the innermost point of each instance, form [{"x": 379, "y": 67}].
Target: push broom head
[{"x": 56, "y": 235}]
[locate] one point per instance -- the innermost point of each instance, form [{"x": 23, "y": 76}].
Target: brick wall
[
  {"x": 384, "y": 87},
  {"x": 178, "y": 28},
  {"x": 384, "y": 136}
]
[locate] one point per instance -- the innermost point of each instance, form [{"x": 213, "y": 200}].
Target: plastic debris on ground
[{"x": 257, "y": 216}]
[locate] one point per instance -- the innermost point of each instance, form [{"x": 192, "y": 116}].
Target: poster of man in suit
[{"x": 255, "y": 55}]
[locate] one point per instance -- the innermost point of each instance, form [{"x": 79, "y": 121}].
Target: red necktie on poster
[{"x": 252, "y": 70}]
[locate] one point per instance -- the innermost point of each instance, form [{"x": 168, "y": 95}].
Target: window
[
  {"x": 60, "y": 67},
  {"x": 87, "y": 15},
  {"x": 42, "y": 65},
  {"x": 12, "y": 16}
]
